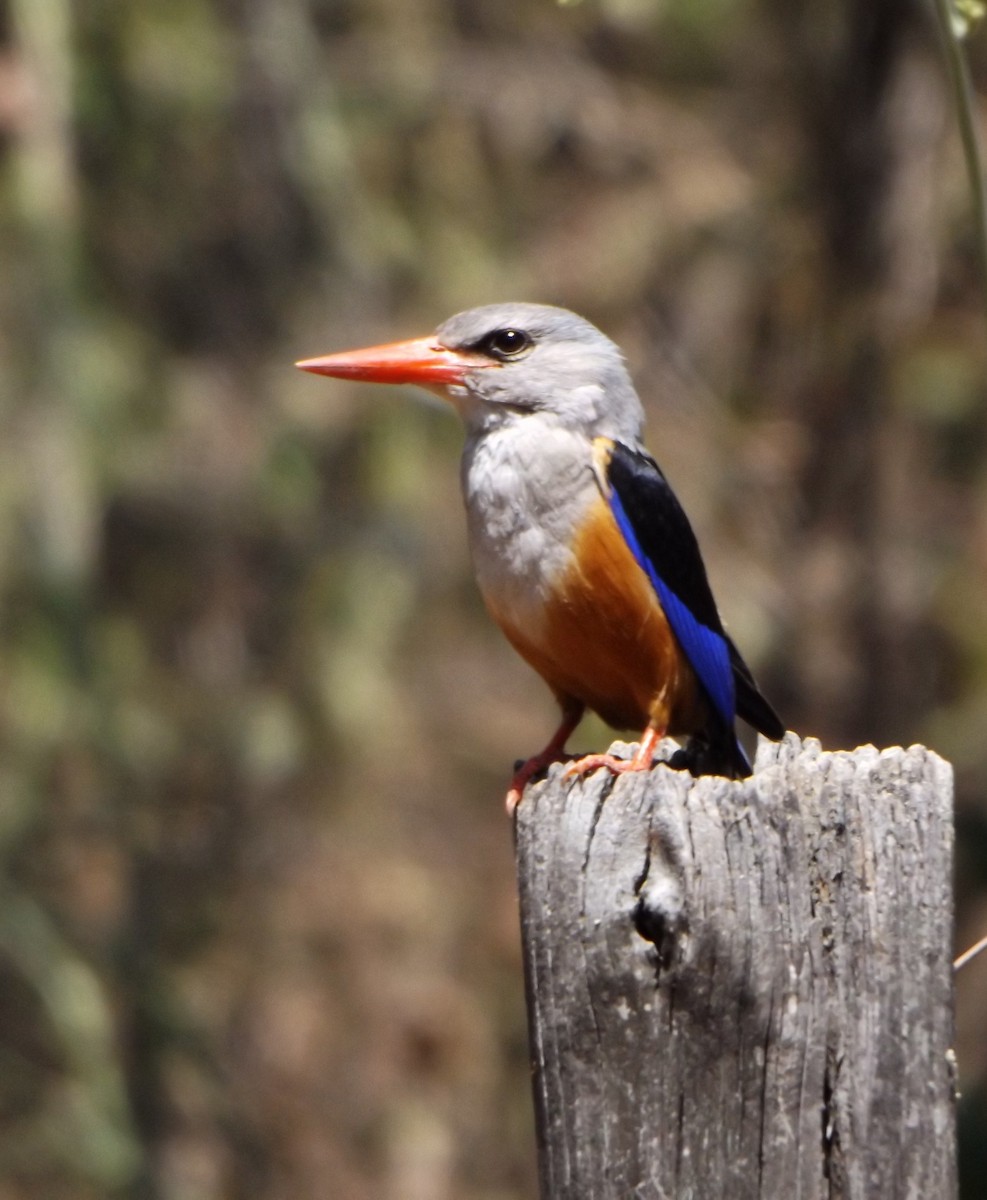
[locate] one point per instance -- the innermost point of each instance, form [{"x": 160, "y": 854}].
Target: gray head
[
  {"x": 534, "y": 359},
  {"x": 508, "y": 363}
]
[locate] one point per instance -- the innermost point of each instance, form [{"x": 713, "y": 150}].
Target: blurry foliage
[{"x": 257, "y": 930}]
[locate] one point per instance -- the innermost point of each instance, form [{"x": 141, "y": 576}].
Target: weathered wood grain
[{"x": 743, "y": 989}]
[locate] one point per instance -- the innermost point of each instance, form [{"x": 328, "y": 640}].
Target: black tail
[
  {"x": 716, "y": 750},
  {"x": 751, "y": 705}
]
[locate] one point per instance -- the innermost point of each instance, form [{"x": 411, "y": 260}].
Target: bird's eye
[{"x": 505, "y": 343}]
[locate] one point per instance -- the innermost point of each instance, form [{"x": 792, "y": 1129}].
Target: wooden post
[{"x": 743, "y": 990}]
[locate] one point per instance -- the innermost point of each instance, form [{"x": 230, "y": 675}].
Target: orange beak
[{"x": 422, "y": 361}]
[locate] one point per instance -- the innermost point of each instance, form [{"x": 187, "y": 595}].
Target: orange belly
[{"x": 604, "y": 639}]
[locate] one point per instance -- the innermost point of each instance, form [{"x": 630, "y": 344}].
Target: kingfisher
[{"x": 582, "y": 552}]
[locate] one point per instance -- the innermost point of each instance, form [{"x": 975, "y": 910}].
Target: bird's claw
[
  {"x": 525, "y": 770},
  {"x": 592, "y": 762}
]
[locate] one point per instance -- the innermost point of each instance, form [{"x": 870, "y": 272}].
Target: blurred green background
[{"x": 257, "y": 918}]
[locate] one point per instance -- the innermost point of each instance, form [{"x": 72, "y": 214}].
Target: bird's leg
[
  {"x": 640, "y": 762},
  {"x": 572, "y": 714}
]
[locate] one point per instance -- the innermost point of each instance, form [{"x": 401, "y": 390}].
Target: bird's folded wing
[{"x": 659, "y": 535}]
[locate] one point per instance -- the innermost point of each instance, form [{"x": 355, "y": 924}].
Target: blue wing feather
[{"x": 705, "y": 648}]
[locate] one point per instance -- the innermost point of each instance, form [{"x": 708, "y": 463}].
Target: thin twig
[
  {"x": 959, "y": 74},
  {"x": 971, "y": 954}
]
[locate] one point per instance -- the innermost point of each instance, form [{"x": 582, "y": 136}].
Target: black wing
[{"x": 658, "y": 532}]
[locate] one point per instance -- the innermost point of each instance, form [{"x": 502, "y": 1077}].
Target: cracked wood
[{"x": 743, "y": 989}]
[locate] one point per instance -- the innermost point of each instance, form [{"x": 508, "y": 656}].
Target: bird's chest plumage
[
  {"x": 560, "y": 580},
  {"x": 527, "y": 494}
]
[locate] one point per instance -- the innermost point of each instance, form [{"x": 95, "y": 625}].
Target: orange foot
[
  {"x": 620, "y": 766},
  {"x": 554, "y": 751},
  {"x": 523, "y": 776}
]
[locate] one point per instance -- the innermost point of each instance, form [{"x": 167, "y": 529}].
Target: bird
[{"x": 582, "y": 552}]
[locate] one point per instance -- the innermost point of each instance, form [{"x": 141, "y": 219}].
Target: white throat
[{"x": 527, "y": 487}]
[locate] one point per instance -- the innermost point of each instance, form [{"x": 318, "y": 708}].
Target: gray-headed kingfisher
[{"x": 584, "y": 556}]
